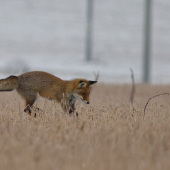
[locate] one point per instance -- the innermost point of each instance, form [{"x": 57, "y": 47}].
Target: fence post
[
  {"x": 147, "y": 42},
  {"x": 89, "y": 30}
]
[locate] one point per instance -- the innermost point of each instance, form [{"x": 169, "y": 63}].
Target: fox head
[{"x": 82, "y": 91}]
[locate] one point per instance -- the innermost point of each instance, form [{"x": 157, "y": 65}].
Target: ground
[{"x": 110, "y": 133}]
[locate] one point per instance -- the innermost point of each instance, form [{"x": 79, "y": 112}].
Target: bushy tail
[{"x": 9, "y": 83}]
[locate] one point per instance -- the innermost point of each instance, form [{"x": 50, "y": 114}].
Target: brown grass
[{"x": 107, "y": 135}]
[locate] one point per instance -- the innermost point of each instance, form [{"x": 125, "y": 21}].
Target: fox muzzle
[{"x": 86, "y": 102}]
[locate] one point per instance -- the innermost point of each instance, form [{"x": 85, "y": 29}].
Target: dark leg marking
[{"x": 77, "y": 114}]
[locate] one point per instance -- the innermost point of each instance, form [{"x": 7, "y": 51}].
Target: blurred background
[{"x": 51, "y": 35}]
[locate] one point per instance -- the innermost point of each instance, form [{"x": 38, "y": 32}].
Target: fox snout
[{"x": 86, "y": 102}]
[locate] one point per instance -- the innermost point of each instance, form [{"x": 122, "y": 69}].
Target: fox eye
[{"x": 83, "y": 94}]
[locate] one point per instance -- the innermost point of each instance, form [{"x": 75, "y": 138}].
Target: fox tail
[{"x": 9, "y": 83}]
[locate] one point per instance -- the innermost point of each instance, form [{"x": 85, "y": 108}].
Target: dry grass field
[{"x": 109, "y": 134}]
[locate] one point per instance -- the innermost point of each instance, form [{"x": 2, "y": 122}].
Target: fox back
[{"x": 47, "y": 85}]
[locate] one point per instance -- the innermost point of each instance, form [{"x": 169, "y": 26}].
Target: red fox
[{"x": 29, "y": 84}]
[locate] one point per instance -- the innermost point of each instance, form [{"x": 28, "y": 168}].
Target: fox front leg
[
  {"x": 72, "y": 101},
  {"x": 71, "y": 108}
]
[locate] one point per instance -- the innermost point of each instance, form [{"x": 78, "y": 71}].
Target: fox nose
[{"x": 88, "y": 102}]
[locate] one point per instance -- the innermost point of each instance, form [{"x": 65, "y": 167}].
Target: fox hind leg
[
  {"x": 29, "y": 102},
  {"x": 29, "y": 97}
]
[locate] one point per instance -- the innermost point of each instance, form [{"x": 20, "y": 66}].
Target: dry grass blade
[
  {"x": 96, "y": 75},
  {"x": 152, "y": 98},
  {"x": 133, "y": 87}
]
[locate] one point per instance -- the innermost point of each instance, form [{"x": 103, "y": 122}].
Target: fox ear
[
  {"x": 82, "y": 84},
  {"x": 92, "y": 82}
]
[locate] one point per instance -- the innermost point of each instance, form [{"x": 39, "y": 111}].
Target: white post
[
  {"x": 147, "y": 42},
  {"x": 89, "y": 29}
]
